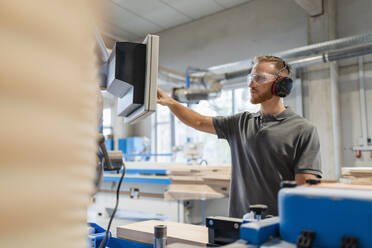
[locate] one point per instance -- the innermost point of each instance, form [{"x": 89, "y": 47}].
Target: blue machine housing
[
  {"x": 258, "y": 232},
  {"x": 331, "y": 213},
  {"x": 131, "y": 146},
  {"x": 109, "y": 144}
]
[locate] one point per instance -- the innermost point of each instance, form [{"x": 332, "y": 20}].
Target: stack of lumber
[
  {"x": 191, "y": 182},
  {"x": 198, "y": 182},
  {"x": 357, "y": 175},
  {"x": 143, "y": 232}
]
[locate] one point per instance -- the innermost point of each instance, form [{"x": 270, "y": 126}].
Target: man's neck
[{"x": 273, "y": 106}]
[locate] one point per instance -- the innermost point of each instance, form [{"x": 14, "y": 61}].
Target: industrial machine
[
  {"x": 325, "y": 215},
  {"x": 312, "y": 216}
]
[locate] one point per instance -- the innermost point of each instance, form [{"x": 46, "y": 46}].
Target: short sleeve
[
  {"x": 307, "y": 159},
  {"x": 226, "y": 126}
]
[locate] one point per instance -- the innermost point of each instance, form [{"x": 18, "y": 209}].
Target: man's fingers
[
  {"x": 160, "y": 93},
  {"x": 163, "y": 98}
]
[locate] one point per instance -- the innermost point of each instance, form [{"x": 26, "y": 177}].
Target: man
[{"x": 267, "y": 147}]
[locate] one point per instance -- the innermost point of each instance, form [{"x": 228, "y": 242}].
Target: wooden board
[
  {"x": 143, "y": 232},
  {"x": 190, "y": 182},
  {"x": 344, "y": 186},
  {"x": 219, "y": 183},
  {"x": 198, "y": 170},
  {"x": 187, "y": 179},
  {"x": 357, "y": 171},
  {"x": 357, "y": 175},
  {"x": 191, "y": 192}
]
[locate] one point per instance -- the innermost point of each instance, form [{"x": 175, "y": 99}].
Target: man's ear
[{"x": 282, "y": 86}]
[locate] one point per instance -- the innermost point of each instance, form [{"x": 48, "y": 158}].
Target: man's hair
[{"x": 279, "y": 63}]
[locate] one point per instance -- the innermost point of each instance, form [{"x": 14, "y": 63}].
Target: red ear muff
[{"x": 282, "y": 86}]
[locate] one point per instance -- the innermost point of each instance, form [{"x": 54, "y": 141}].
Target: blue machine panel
[
  {"x": 331, "y": 213},
  {"x": 108, "y": 178},
  {"x": 258, "y": 232},
  {"x": 132, "y": 145},
  {"x": 109, "y": 144}
]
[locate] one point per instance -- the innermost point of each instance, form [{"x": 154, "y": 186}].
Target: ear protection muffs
[{"x": 282, "y": 86}]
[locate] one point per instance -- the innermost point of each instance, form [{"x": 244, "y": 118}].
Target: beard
[{"x": 260, "y": 98}]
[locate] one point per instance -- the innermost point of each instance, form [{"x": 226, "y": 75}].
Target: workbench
[{"x": 164, "y": 192}]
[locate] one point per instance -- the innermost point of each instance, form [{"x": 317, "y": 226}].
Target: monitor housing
[{"x": 132, "y": 77}]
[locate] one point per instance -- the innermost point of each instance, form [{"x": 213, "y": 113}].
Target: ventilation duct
[{"x": 194, "y": 95}]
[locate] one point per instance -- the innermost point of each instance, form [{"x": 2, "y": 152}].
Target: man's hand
[
  {"x": 164, "y": 99},
  {"x": 301, "y": 178},
  {"x": 186, "y": 115}
]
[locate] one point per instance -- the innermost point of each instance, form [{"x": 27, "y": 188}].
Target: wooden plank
[
  {"x": 344, "y": 186},
  {"x": 191, "y": 192},
  {"x": 217, "y": 178},
  {"x": 357, "y": 175},
  {"x": 143, "y": 232},
  {"x": 186, "y": 179},
  {"x": 357, "y": 171},
  {"x": 219, "y": 183}
]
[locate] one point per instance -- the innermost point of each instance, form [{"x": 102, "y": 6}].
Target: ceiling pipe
[
  {"x": 314, "y": 49},
  {"x": 316, "y": 59},
  {"x": 323, "y": 52},
  {"x": 242, "y": 68}
]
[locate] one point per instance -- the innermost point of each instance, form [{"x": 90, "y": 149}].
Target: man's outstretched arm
[
  {"x": 301, "y": 178},
  {"x": 186, "y": 115}
]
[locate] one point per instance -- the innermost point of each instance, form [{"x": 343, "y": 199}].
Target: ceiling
[{"x": 131, "y": 20}]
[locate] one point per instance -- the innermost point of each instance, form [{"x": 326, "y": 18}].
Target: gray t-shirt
[{"x": 264, "y": 151}]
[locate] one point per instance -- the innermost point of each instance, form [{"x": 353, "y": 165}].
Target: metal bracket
[
  {"x": 349, "y": 242},
  {"x": 305, "y": 240}
]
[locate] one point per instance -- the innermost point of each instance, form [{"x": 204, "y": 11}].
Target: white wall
[
  {"x": 354, "y": 17},
  {"x": 264, "y": 26},
  {"x": 350, "y": 112},
  {"x": 254, "y": 28}
]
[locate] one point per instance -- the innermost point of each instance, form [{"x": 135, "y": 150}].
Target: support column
[{"x": 321, "y": 93}]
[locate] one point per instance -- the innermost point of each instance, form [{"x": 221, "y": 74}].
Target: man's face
[{"x": 264, "y": 74}]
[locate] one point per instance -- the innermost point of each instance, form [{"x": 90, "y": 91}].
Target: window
[
  {"x": 161, "y": 135},
  {"x": 242, "y": 101},
  {"x": 215, "y": 151},
  {"x": 106, "y": 122}
]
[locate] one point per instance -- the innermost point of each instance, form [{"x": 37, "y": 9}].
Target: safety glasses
[{"x": 261, "y": 78}]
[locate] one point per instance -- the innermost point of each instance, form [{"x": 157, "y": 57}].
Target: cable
[{"x": 116, "y": 207}]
